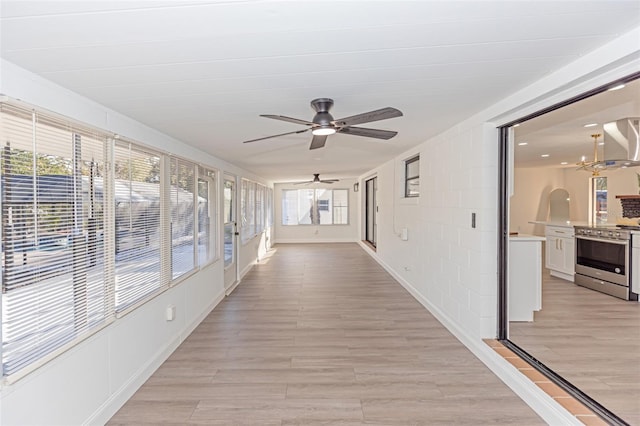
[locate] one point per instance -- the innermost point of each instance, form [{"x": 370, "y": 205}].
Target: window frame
[
  {"x": 315, "y": 214},
  {"x": 410, "y": 178},
  {"x": 129, "y": 171}
]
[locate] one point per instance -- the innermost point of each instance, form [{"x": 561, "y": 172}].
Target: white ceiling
[
  {"x": 562, "y": 136},
  {"x": 203, "y": 71}
]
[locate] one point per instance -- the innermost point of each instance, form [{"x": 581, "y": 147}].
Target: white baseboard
[
  {"x": 545, "y": 406},
  {"x": 314, "y": 240},
  {"x": 126, "y": 391},
  {"x": 246, "y": 270},
  {"x": 232, "y": 287}
]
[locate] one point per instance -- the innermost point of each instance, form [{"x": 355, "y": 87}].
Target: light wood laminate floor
[
  {"x": 591, "y": 339},
  {"x": 321, "y": 334}
]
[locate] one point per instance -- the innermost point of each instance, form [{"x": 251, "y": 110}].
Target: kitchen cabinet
[
  {"x": 524, "y": 291},
  {"x": 560, "y": 251}
]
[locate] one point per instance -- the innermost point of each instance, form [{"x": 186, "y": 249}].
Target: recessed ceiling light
[
  {"x": 564, "y": 163},
  {"x": 591, "y": 125},
  {"x": 516, "y": 125},
  {"x": 618, "y": 87},
  {"x": 544, "y": 155},
  {"x": 523, "y": 143},
  {"x": 600, "y": 143}
]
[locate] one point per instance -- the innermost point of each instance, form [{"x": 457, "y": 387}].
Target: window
[
  {"x": 183, "y": 196},
  {"x": 206, "y": 216},
  {"x": 260, "y": 208},
  {"x": 599, "y": 198},
  {"x": 412, "y": 177},
  {"x": 85, "y": 239},
  {"x": 137, "y": 225},
  {"x": 247, "y": 210},
  {"x": 269, "y": 207},
  {"x": 229, "y": 220},
  {"x": 315, "y": 206},
  {"x": 53, "y": 256}
]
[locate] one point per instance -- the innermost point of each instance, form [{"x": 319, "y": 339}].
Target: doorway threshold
[{"x": 561, "y": 395}]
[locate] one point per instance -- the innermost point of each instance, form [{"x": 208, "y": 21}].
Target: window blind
[
  {"x": 229, "y": 219},
  {"x": 137, "y": 224},
  {"x": 206, "y": 215},
  {"x": 183, "y": 196},
  {"x": 52, "y": 234}
]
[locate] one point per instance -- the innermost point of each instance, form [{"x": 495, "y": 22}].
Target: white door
[{"x": 230, "y": 243}]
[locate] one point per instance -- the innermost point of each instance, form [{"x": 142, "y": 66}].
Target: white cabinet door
[
  {"x": 554, "y": 256},
  {"x": 560, "y": 252}
]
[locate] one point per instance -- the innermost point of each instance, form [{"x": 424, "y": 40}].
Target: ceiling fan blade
[
  {"x": 288, "y": 119},
  {"x": 331, "y": 181},
  {"x": 275, "y": 136},
  {"x": 303, "y": 183},
  {"x": 317, "y": 142},
  {"x": 367, "y": 117},
  {"x": 369, "y": 133}
]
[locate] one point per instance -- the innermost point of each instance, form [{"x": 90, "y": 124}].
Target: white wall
[
  {"x": 530, "y": 200},
  {"x": 449, "y": 266},
  {"x": 446, "y": 265},
  {"x": 443, "y": 262},
  {"x": 533, "y": 185},
  {"x": 318, "y": 233},
  {"x": 91, "y": 381}
]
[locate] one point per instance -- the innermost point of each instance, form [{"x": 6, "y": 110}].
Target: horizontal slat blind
[
  {"x": 52, "y": 234},
  {"x": 206, "y": 216},
  {"x": 137, "y": 224},
  {"x": 182, "y": 194}
]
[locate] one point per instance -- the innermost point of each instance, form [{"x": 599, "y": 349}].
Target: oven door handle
[{"x": 602, "y": 240}]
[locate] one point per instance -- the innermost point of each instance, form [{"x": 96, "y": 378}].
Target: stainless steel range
[{"x": 603, "y": 259}]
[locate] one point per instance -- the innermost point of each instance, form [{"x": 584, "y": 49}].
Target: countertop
[
  {"x": 564, "y": 224},
  {"x": 525, "y": 237}
]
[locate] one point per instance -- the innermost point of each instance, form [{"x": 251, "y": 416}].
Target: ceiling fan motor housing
[
  {"x": 322, "y": 104},
  {"x": 322, "y": 107}
]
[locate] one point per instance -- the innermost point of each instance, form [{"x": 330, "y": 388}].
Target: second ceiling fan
[
  {"x": 324, "y": 125},
  {"x": 316, "y": 179}
]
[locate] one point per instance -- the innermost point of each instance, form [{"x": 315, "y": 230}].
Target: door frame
[
  {"x": 373, "y": 242},
  {"x": 234, "y": 265},
  {"x": 503, "y": 247}
]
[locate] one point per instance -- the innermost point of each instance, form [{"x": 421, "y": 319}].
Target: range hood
[{"x": 621, "y": 144}]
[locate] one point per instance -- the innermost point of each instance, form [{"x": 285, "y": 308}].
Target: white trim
[
  {"x": 545, "y": 406},
  {"x": 232, "y": 287},
  {"x": 119, "y": 397},
  {"x": 246, "y": 270},
  {"x": 315, "y": 240}
]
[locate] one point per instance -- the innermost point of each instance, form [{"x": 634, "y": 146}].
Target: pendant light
[{"x": 594, "y": 166}]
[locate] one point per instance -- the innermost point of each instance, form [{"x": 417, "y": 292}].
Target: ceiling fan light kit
[
  {"x": 323, "y": 131},
  {"x": 323, "y": 123}
]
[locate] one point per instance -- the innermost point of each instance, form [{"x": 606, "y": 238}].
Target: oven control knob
[
  {"x": 617, "y": 234},
  {"x": 611, "y": 233},
  {"x": 599, "y": 233}
]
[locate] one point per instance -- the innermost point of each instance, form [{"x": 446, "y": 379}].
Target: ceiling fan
[
  {"x": 324, "y": 125},
  {"x": 316, "y": 179}
]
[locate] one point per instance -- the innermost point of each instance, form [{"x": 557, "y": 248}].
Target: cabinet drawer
[{"x": 556, "y": 231}]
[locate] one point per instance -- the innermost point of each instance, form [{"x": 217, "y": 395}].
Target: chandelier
[{"x": 594, "y": 166}]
